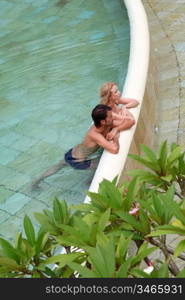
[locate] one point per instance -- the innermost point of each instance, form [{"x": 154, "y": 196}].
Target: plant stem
[
  {"x": 172, "y": 265},
  {"x": 170, "y": 250}
]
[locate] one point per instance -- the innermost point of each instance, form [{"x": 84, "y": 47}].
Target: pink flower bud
[{"x": 134, "y": 211}]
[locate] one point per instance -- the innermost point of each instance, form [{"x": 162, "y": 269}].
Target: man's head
[{"x": 102, "y": 115}]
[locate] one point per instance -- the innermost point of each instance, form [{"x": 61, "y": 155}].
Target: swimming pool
[{"x": 54, "y": 56}]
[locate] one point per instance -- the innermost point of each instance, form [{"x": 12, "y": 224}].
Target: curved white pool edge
[{"x": 111, "y": 165}]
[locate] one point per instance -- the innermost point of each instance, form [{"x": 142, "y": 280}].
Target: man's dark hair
[{"x": 99, "y": 113}]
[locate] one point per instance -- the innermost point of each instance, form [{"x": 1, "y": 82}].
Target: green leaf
[
  {"x": 167, "y": 229},
  {"x": 167, "y": 178},
  {"x": 91, "y": 218},
  {"x": 9, "y": 263},
  {"x": 85, "y": 207},
  {"x": 83, "y": 271},
  {"x": 70, "y": 241},
  {"x": 170, "y": 207},
  {"x": 151, "y": 154},
  {"x": 131, "y": 194},
  {"x": 81, "y": 228},
  {"x": 130, "y": 220},
  {"x": 41, "y": 241},
  {"x": 148, "y": 206},
  {"x": 168, "y": 203},
  {"x": 143, "y": 247},
  {"x": 18, "y": 244},
  {"x": 181, "y": 274},
  {"x": 98, "y": 201},
  {"x": 65, "y": 211},
  {"x": 163, "y": 152},
  {"x": 178, "y": 224},
  {"x": 179, "y": 248},
  {"x": 62, "y": 259},
  {"x": 139, "y": 273},
  {"x": 29, "y": 230},
  {"x": 146, "y": 176},
  {"x": 104, "y": 219},
  {"x": 57, "y": 211},
  {"x": 151, "y": 165},
  {"x": 143, "y": 218},
  {"x": 107, "y": 254},
  {"x": 65, "y": 273},
  {"x": 41, "y": 218},
  {"x": 115, "y": 180},
  {"x": 103, "y": 258},
  {"x": 9, "y": 250},
  {"x": 102, "y": 239},
  {"x": 79, "y": 232},
  {"x": 173, "y": 146},
  {"x": 159, "y": 208},
  {"x": 51, "y": 273},
  {"x": 123, "y": 269},
  {"x": 122, "y": 248},
  {"x": 111, "y": 194},
  {"x": 162, "y": 204},
  {"x": 163, "y": 272},
  {"x": 36, "y": 275},
  {"x": 139, "y": 257},
  {"x": 181, "y": 164},
  {"x": 18, "y": 241},
  {"x": 28, "y": 250},
  {"x": 46, "y": 222},
  {"x": 175, "y": 154}
]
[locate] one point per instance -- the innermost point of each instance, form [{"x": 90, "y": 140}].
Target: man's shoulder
[
  {"x": 93, "y": 133},
  {"x": 92, "y": 130}
]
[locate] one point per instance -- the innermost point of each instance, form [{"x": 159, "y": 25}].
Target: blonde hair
[{"x": 105, "y": 92}]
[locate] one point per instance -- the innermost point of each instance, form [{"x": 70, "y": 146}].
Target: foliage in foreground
[{"x": 96, "y": 239}]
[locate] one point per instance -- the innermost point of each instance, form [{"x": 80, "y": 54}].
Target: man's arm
[
  {"x": 130, "y": 103},
  {"x": 111, "y": 145}
]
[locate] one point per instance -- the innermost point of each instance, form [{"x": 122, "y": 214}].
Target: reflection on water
[{"x": 54, "y": 56}]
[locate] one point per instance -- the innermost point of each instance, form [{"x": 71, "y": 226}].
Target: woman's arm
[
  {"x": 126, "y": 113},
  {"x": 126, "y": 123},
  {"x": 130, "y": 103},
  {"x": 119, "y": 125}
]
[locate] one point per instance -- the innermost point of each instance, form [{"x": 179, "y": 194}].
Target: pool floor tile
[
  {"x": 11, "y": 179},
  {"x": 14, "y": 203},
  {"x": 10, "y": 228},
  {"x": 3, "y": 217},
  {"x": 9, "y": 138},
  {"x": 7, "y": 154},
  {"x": 29, "y": 209},
  {"x": 4, "y": 194}
]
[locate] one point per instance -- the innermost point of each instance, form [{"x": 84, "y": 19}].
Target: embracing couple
[{"x": 108, "y": 120}]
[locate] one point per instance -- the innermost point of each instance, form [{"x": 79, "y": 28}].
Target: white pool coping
[{"x": 111, "y": 165}]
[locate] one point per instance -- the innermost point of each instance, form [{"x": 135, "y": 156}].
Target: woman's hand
[{"x": 112, "y": 134}]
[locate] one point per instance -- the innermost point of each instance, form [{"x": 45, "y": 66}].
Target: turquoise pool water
[{"x": 54, "y": 56}]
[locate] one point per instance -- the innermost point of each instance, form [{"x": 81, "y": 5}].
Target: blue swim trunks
[{"x": 82, "y": 165}]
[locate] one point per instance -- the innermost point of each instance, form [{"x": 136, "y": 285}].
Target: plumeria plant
[{"x": 116, "y": 235}]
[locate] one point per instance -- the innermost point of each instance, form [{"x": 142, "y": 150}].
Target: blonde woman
[{"x": 122, "y": 117}]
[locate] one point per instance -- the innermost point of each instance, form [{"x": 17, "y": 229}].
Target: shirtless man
[{"x": 97, "y": 136}]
